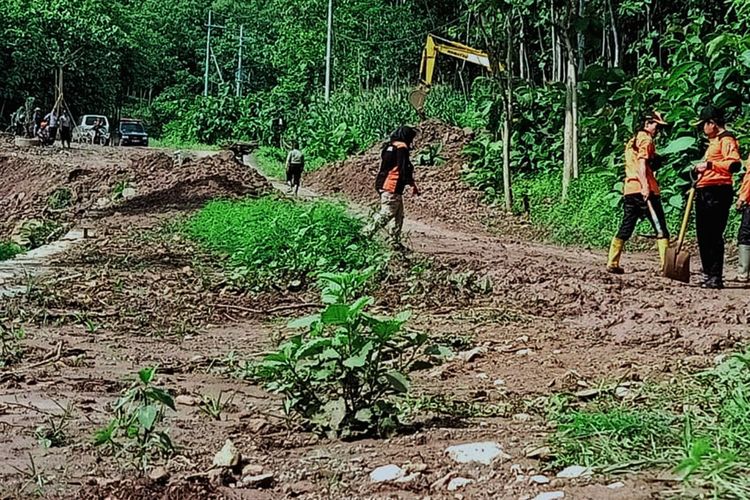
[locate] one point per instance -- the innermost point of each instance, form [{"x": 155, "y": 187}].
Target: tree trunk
[
  {"x": 615, "y": 36},
  {"x": 581, "y": 40},
  {"x": 553, "y": 41},
  {"x": 570, "y": 141},
  {"x": 508, "y": 118}
]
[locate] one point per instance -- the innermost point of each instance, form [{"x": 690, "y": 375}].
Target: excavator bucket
[{"x": 417, "y": 99}]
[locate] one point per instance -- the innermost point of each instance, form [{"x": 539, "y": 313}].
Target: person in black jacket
[{"x": 396, "y": 172}]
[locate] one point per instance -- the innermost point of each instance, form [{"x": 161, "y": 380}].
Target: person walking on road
[
  {"x": 396, "y": 172},
  {"x": 51, "y": 119},
  {"x": 743, "y": 238},
  {"x": 36, "y": 120},
  {"x": 66, "y": 130},
  {"x": 641, "y": 191},
  {"x": 714, "y": 193},
  {"x": 295, "y": 165}
]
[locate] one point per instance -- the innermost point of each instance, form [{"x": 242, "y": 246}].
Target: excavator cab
[{"x": 434, "y": 46}]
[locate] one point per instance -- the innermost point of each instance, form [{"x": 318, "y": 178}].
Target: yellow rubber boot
[
  {"x": 615, "y": 252},
  {"x": 662, "y": 244}
]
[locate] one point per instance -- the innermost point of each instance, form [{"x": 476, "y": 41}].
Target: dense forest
[{"x": 577, "y": 74}]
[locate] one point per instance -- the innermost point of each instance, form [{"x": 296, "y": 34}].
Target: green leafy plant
[
  {"x": 60, "y": 199},
  {"x": 430, "y": 155},
  {"x": 34, "y": 233},
  {"x": 11, "y": 350},
  {"x": 345, "y": 372},
  {"x": 8, "y": 250},
  {"x": 118, "y": 190},
  {"x": 136, "y": 429}
]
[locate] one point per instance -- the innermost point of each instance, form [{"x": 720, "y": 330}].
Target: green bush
[
  {"x": 8, "y": 250},
  {"x": 346, "y": 372},
  {"x": 271, "y": 242}
]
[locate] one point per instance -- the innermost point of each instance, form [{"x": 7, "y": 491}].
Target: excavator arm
[{"x": 434, "y": 46}]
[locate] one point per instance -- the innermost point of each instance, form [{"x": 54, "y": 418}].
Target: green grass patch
[
  {"x": 271, "y": 241},
  {"x": 172, "y": 143},
  {"x": 270, "y": 162},
  {"x": 604, "y": 435},
  {"x": 8, "y": 250},
  {"x": 696, "y": 426}
]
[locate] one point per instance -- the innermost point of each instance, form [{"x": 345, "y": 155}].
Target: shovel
[
  {"x": 657, "y": 224},
  {"x": 677, "y": 260}
]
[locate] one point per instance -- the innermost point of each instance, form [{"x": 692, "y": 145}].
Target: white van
[{"x": 84, "y": 133}]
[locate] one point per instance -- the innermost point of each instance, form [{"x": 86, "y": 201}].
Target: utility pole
[
  {"x": 208, "y": 56},
  {"x": 328, "y": 50},
  {"x": 208, "y": 53},
  {"x": 239, "y": 66}
]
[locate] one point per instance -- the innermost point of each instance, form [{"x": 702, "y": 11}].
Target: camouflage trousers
[{"x": 390, "y": 216}]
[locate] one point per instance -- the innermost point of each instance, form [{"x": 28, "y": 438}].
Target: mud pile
[
  {"x": 444, "y": 195},
  {"x": 70, "y": 185}
]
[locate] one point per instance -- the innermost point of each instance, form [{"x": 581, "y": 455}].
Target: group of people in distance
[
  {"x": 714, "y": 184},
  {"x": 46, "y": 127}
]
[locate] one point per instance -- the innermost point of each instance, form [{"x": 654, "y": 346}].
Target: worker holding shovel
[
  {"x": 641, "y": 191},
  {"x": 743, "y": 239},
  {"x": 714, "y": 193}
]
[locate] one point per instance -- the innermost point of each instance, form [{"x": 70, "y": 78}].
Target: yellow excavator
[{"x": 432, "y": 48}]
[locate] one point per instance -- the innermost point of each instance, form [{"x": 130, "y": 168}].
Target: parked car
[
  {"x": 84, "y": 131},
  {"x": 130, "y": 132}
]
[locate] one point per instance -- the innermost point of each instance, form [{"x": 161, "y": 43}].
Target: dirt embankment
[{"x": 62, "y": 185}]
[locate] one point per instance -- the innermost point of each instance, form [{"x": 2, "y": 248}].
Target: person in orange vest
[
  {"x": 641, "y": 194},
  {"x": 714, "y": 193},
  {"x": 396, "y": 172},
  {"x": 743, "y": 238}
]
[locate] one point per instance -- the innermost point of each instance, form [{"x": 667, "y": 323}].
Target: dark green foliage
[
  {"x": 271, "y": 242},
  {"x": 348, "y": 369},
  {"x": 9, "y": 250}
]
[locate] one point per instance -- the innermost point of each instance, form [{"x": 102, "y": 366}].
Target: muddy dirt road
[{"x": 554, "y": 321}]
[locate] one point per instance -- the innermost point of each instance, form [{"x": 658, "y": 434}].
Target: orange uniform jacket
[
  {"x": 641, "y": 147},
  {"x": 745, "y": 188},
  {"x": 724, "y": 155},
  {"x": 396, "y": 171}
]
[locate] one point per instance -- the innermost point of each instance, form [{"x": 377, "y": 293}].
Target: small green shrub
[
  {"x": 8, "y": 250},
  {"x": 346, "y": 372},
  {"x": 272, "y": 242},
  {"x": 135, "y": 431},
  {"x": 34, "y": 233},
  {"x": 11, "y": 350},
  {"x": 60, "y": 199}
]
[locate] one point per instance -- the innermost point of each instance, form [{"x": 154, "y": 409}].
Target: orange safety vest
[
  {"x": 641, "y": 147},
  {"x": 391, "y": 180},
  {"x": 723, "y": 152}
]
